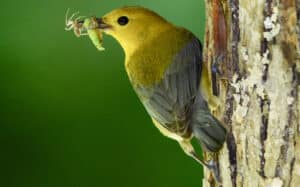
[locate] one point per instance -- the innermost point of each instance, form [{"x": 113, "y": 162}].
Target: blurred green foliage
[{"x": 68, "y": 115}]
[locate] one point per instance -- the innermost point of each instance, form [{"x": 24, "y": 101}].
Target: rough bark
[{"x": 256, "y": 46}]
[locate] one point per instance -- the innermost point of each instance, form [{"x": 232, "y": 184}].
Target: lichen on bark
[{"x": 259, "y": 99}]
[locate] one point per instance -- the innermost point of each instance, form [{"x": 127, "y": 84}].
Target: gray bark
[{"x": 258, "y": 53}]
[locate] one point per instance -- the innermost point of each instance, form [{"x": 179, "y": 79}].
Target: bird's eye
[{"x": 123, "y": 20}]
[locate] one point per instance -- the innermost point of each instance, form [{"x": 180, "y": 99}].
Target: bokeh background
[{"x": 68, "y": 115}]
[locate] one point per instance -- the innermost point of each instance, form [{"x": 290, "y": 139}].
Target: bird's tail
[{"x": 207, "y": 129}]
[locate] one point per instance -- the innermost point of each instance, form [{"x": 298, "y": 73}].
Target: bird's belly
[{"x": 167, "y": 132}]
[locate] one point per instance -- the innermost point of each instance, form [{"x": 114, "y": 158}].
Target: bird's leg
[
  {"x": 211, "y": 164},
  {"x": 212, "y": 158}
]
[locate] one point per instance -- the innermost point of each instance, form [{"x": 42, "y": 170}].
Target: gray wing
[{"x": 170, "y": 101}]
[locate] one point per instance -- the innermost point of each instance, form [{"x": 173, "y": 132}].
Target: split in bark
[{"x": 257, "y": 50}]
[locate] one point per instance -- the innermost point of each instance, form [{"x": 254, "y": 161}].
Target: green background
[{"x": 68, "y": 114}]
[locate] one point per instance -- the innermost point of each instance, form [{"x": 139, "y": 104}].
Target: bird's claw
[{"x": 213, "y": 168}]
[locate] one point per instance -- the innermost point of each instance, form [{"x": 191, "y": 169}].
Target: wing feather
[{"x": 170, "y": 100}]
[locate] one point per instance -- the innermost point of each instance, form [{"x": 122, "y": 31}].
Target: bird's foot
[{"x": 214, "y": 169}]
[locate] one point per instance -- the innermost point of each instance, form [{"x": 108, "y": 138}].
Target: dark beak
[{"x": 101, "y": 24}]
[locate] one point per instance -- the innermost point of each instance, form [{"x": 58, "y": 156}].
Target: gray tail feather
[{"x": 208, "y": 130}]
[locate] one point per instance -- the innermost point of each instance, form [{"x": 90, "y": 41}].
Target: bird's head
[{"x": 133, "y": 26}]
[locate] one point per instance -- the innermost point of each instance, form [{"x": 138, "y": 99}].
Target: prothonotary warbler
[{"x": 165, "y": 67}]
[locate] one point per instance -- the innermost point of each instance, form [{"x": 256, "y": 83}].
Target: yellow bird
[{"x": 165, "y": 68}]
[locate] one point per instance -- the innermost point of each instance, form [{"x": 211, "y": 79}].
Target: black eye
[{"x": 123, "y": 20}]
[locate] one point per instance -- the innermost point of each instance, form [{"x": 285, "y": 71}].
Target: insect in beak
[
  {"x": 90, "y": 26},
  {"x": 74, "y": 23}
]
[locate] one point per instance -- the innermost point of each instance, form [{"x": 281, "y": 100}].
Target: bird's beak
[{"x": 101, "y": 24}]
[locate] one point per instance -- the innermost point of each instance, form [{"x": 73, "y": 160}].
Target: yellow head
[{"x": 133, "y": 26}]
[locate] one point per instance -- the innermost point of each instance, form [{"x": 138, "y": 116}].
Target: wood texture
[{"x": 258, "y": 90}]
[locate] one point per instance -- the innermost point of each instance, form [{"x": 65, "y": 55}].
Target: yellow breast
[{"x": 147, "y": 64}]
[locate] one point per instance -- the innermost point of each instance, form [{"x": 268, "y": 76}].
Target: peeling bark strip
[
  {"x": 296, "y": 68},
  {"x": 298, "y": 18},
  {"x": 287, "y": 132},
  {"x": 260, "y": 102},
  {"x": 231, "y": 146},
  {"x": 265, "y": 102},
  {"x": 265, "y": 108},
  {"x": 231, "y": 143},
  {"x": 265, "y": 44},
  {"x": 292, "y": 167},
  {"x": 220, "y": 45},
  {"x": 233, "y": 67}
]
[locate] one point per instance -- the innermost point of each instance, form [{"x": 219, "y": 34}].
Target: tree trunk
[{"x": 256, "y": 46}]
